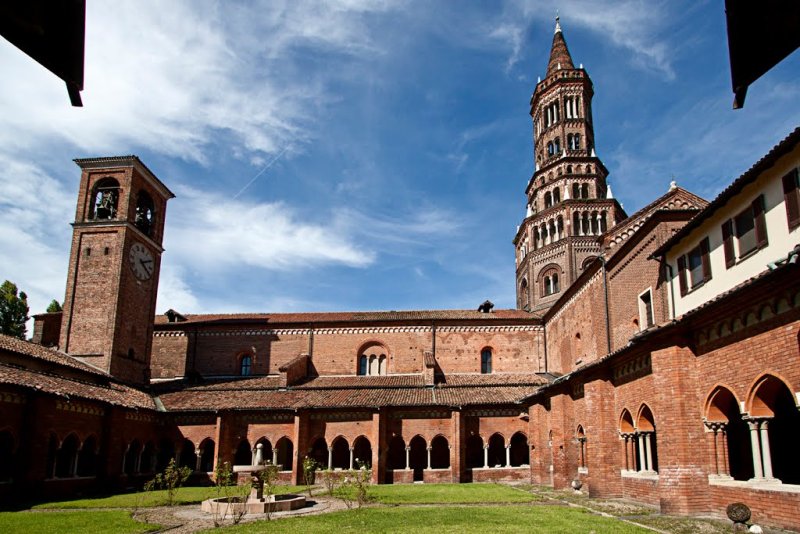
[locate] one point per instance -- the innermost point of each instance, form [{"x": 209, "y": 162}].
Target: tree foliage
[
  {"x": 13, "y": 310},
  {"x": 54, "y": 306}
]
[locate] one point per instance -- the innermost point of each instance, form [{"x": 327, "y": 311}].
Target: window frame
[
  {"x": 732, "y": 233},
  {"x": 687, "y": 284},
  {"x": 246, "y": 369},
  {"x": 646, "y": 320},
  {"x": 791, "y": 197},
  {"x": 486, "y": 361}
]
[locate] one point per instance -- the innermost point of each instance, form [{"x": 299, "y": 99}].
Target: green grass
[
  {"x": 107, "y": 522},
  {"x": 444, "y": 519},
  {"x": 187, "y": 495},
  {"x": 448, "y": 494}
]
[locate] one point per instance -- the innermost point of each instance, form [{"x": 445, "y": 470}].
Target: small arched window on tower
[
  {"x": 585, "y": 191},
  {"x": 570, "y": 141},
  {"x": 576, "y": 142},
  {"x": 557, "y": 145},
  {"x": 550, "y": 150},
  {"x": 145, "y": 212},
  {"x": 246, "y": 365},
  {"x": 549, "y": 281},
  {"x": 556, "y": 195},
  {"x": 548, "y": 200},
  {"x": 105, "y": 199},
  {"x": 486, "y": 361},
  {"x": 576, "y": 191}
]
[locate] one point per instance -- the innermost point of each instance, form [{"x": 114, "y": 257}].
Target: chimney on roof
[
  {"x": 486, "y": 307},
  {"x": 174, "y": 317}
]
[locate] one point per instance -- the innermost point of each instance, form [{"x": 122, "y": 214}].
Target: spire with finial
[{"x": 559, "y": 53}]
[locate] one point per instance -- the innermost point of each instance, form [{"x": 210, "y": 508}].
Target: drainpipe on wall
[{"x": 605, "y": 294}]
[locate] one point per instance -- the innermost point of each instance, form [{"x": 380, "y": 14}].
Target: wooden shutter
[
  {"x": 705, "y": 259},
  {"x": 727, "y": 243},
  {"x": 682, "y": 275},
  {"x": 791, "y": 197},
  {"x": 760, "y": 221}
]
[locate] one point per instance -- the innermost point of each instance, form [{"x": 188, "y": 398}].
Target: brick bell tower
[
  {"x": 569, "y": 203},
  {"x": 114, "y": 266}
]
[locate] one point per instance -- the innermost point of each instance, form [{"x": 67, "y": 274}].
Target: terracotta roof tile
[
  {"x": 353, "y": 391},
  {"x": 344, "y": 317},
  {"x": 39, "y": 352},
  {"x": 112, "y": 393}
]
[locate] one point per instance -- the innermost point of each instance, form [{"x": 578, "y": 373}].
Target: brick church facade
[{"x": 655, "y": 357}]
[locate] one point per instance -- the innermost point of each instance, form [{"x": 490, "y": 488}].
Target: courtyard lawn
[
  {"x": 448, "y": 494},
  {"x": 88, "y": 522},
  {"x": 441, "y": 519},
  {"x": 147, "y": 499}
]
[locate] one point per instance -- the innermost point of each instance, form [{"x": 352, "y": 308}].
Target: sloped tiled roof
[
  {"x": 354, "y": 391},
  {"x": 111, "y": 393},
  {"x": 26, "y": 348},
  {"x": 345, "y": 317}
]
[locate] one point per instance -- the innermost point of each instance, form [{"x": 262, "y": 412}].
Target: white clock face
[{"x": 141, "y": 261}]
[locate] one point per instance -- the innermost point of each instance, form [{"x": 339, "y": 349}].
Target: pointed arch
[
  {"x": 645, "y": 422},
  {"x": 244, "y": 453},
  {"x": 340, "y": 453},
  {"x": 497, "y": 450},
  {"x": 440, "y": 452},
  {"x": 626, "y": 422},
  {"x": 284, "y": 453},
  {"x": 763, "y": 394},
  {"x": 475, "y": 451},
  {"x": 520, "y": 452},
  {"x": 362, "y": 452},
  {"x": 397, "y": 453}
]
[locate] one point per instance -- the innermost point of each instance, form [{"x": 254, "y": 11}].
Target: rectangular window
[
  {"x": 750, "y": 229},
  {"x": 791, "y": 197},
  {"x": 695, "y": 267},
  {"x": 646, "y": 310}
]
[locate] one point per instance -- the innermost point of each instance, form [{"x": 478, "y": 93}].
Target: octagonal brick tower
[{"x": 569, "y": 203}]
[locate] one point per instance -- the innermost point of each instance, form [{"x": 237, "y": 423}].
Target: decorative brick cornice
[
  {"x": 498, "y": 328},
  {"x": 494, "y": 412},
  {"x": 78, "y": 407},
  {"x": 425, "y": 414},
  {"x": 341, "y": 416},
  {"x": 141, "y": 416}
]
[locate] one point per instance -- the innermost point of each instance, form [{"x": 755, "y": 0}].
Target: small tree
[
  {"x": 13, "y": 310},
  {"x": 309, "y": 469},
  {"x": 268, "y": 477},
  {"x": 54, "y": 306},
  {"x": 171, "y": 479},
  {"x": 331, "y": 479},
  {"x": 356, "y": 485}
]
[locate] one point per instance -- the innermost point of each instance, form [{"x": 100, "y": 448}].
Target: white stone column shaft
[
  {"x": 408, "y": 454},
  {"x": 765, "y": 453},
  {"x": 351, "y": 457},
  {"x": 485, "y": 456},
  {"x": 508, "y": 455},
  {"x": 642, "y": 457},
  {"x": 757, "y": 470}
]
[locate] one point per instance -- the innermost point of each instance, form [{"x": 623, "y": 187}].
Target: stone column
[
  {"x": 765, "y": 453},
  {"x": 330, "y": 457},
  {"x": 485, "y": 456},
  {"x": 642, "y": 455},
  {"x": 275, "y": 456},
  {"x": 626, "y": 446},
  {"x": 408, "y": 454},
  {"x": 724, "y": 446},
  {"x": 508, "y": 455},
  {"x": 429, "y": 457},
  {"x": 649, "y": 448},
  {"x": 351, "y": 457},
  {"x": 758, "y": 472},
  {"x": 198, "y": 459}
]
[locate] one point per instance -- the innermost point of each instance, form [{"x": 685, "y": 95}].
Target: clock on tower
[{"x": 114, "y": 266}]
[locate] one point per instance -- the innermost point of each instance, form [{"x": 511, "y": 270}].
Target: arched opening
[
  {"x": 246, "y": 365},
  {"x": 285, "y": 454},
  {"x": 548, "y": 200},
  {"x": 486, "y": 360},
  {"x": 440, "y": 453},
  {"x": 497, "y": 451},
  {"x": 397, "y": 453},
  {"x": 165, "y": 453},
  {"x": 603, "y": 222},
  {"x": 87, "y": 458},
  {"x": 372, "y": 359},
  {"x": 67, "y": 456},
  {"x": 207, "y": 456},
  {"x": 244, "y": 454},
  {"x": 520, "y": 454},
  {"x": 132, "y": 456},
  {"x": 525, "y": 299},
  {"x": 475, "y": 451},
  {"x": 188, "y": 456},
  {"x": 149, "y": 458},
  {"x": 576, "y": 191},
  {"x": 647, "y": 458},
  {"x": 628, "y": 435},
  {"x": 362, "y": 453},
  {"x": 585, "y": 191},
  {"x": 555, "y": 284},
  {"x": 319, "y": 453},
  {"x": 105, "y": 199},
  {"x": 776, "y": 418},
  {"x": 730, "y": 436},
  {"x": 263, "y": 452},
  {"x": 580, "y": 437},
  {"x": 576, "y": 224},
  {"x": 52, "y": 453},
  {"x": 341, "y": 454},
  {"x": 144, "y": 218},
  {"x": 418, "y": 456},
  {"x": 556, "y": 195},
  {"x": 7, "y": 447}
]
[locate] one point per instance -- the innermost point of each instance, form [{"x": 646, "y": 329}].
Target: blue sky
[{"x": 361, "y": 155}]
